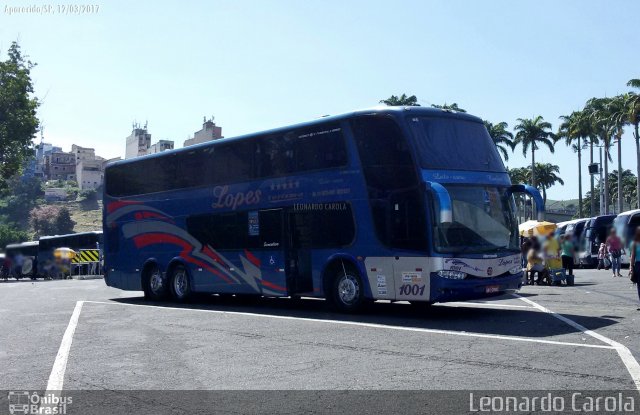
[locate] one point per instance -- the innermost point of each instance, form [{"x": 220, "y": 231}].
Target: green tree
[
  {"x": 632, "y": 104},
  {"x": 51, "y": 220},
  {"x": 502, "y": 138},
  {"x": 530, "y": 133},
  {"x": 18, "y": 121},
  {"x": 23, "y": 194},
  {"x": 10, "y": 234},
  {"x": 451, "y": 107},
  {"x": 605, "y": 126},
  {"x": 575, "y": 128},
  {"x": 627, "y": 181},
  {"x": 402, "y": 100},
  {"x": 548, "y": 176}
]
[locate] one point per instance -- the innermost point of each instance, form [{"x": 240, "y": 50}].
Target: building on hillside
[
  {"x": 138, "y": 142},
  {"x": 83, "y": 153},
  {"x": 54, "y": 194},
  {"x": 60, "y": 166},
  {"x": 90, "y": 174},
  {"x": 42, "y": 150},
  {"x": 160, "y": 146},
  {"x": 210, "y": 131}
]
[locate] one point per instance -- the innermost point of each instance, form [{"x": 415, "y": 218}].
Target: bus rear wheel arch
[
  {"x": 344, "y": 287},
  {"x": 154, "y": 283},
  {"x": 179, "y": 283}
]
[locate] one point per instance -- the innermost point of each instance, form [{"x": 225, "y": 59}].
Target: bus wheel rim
[
  {"x": 156, "y": 281},
  {"x": 348, "y": 289},
  {"x": 180, "y": 283}
]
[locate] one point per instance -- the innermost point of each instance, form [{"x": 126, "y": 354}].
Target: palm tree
[
  {"x": 619, "y": 118},
  {"x": 530, "y": 133},
  {"x": 633, "y": 117},
  {"x": 575, "y": 127},
  {"x": 402, "y": 100},
  {"x": 501, "y": 137},
  {"x": 598, "y": 111},
  {"x": 628, "y": 181},
  {"x": 452, "y": 107},
  {"x": 547, "y": 177}
]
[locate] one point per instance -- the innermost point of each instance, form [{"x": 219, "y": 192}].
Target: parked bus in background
[
  {"x": 391, "y": 203},
  {"x": 24, "y": 259},
  {"x": 561, "y": 227},
  {"x": 75, "y": 241},
  {"x": 625, "y": 224},
  {"x": 595, "y": 232}
]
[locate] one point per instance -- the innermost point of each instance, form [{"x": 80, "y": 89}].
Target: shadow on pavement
[{"x": 522, "y": 322}]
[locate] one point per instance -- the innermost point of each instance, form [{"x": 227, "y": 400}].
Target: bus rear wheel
[
  {"x": 179, "y": 284},
  {"x": 346, "y": 292},
  {"x": 154, "y": 284}
]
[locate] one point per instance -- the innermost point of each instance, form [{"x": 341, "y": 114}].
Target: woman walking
[
  {"x": 614, "y": 246},
  {"x": 634, "y": 272}
]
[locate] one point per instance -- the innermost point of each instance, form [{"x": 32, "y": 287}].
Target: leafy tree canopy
[{"x": 18, "y": 121}]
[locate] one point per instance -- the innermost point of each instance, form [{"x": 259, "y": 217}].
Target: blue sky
[{"x": 261, "y": 64}]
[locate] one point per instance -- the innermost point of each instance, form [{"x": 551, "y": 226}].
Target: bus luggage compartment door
[
  {"x": 411, "y": 277},
  {"x": 380, "y": 277}
]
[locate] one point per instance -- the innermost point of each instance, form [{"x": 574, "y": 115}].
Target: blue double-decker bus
[{"x": 394, "y": 203}]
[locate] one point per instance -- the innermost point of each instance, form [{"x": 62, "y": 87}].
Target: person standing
[
  {"x": 614, "y": 246},
  {"x": 567, "y": 255},
  {"x": 551, "y": 250},
  {"x": 634, "y": 271}
]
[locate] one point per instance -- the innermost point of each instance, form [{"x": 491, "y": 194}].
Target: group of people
[{"x": 549, "y": 258}]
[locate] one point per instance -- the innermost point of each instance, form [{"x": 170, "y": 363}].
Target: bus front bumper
[{"x": 445, "y": 289}]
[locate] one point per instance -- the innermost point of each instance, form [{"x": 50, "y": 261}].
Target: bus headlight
[
  {"x": 452, "y": 275},
  {"x": 515, "y": 269}
]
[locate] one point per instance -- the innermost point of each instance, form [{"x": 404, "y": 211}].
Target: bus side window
[{"x": 397, "y": 204}]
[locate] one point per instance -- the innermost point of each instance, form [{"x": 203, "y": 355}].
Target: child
[{"x": 602, "y": 254}]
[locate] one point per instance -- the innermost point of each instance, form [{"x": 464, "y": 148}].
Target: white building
[
  {"x": 138, "y": 142},
  {"x": 89, "y": 174},
  {"x": 83, "y": 153},
  {"x": 160, "y": 146},
  {"x": 210, "y": 131}
]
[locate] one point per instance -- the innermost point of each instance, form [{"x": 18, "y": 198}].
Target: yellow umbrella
[
  {"x": 534, "y": 227},
  {"x": 64, "y": 253}
]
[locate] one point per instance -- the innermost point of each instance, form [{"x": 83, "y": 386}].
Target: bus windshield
[
  {"x": 454, "y": 144},
  {"x": 483, "y": 221}
]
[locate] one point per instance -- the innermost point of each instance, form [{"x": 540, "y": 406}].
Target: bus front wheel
[
  {"x": 179, "y": 284},
  {"x": 154, "y": 284},
  {"x": 346, "y": 290}
]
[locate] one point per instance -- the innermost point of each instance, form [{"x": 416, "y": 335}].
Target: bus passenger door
[
  {"x": 267, "y": 226},
  {"x": 298, "y": 253}
]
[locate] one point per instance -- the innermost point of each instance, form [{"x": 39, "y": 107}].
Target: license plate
[{"x": 492, "y": 289}]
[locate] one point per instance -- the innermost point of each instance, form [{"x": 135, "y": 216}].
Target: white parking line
[
  {"x": 370, "y": 325},
  {"x": 625, "y": 354},
  {"x": 56, "y": 378},
  {"x": 472, "y": 304}
]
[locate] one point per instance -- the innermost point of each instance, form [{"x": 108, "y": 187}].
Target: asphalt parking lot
[{"x": 79, "y": 335}]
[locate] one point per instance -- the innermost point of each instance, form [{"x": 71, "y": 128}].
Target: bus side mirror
[
  {"x": 441, "y": 194},
  {"x": 535, "y": 195}
]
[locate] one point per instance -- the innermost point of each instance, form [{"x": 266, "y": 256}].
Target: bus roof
[
  {"x": 23, "y": 244},
  {"x": 630, "y": 212},
  {"x": 71, "y": 234},
  {"x": 567, "y": 222},
  {"x": 381, "y": 109}
]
